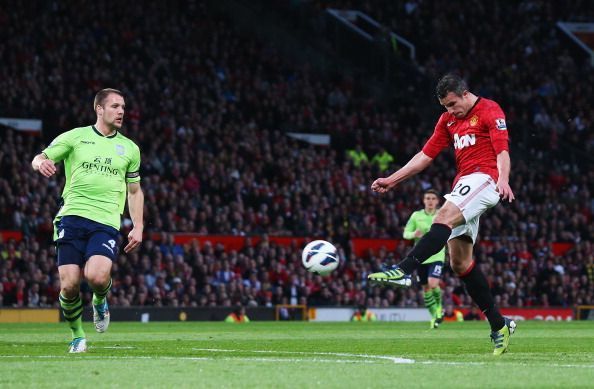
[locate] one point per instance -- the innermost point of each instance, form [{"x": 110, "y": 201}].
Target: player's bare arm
[
  {"x": 136, "y": 208},
  {"x": 504, "y": 166},
  {"x": 415, "y": 165},
  {"x": 43, "y": 165}
]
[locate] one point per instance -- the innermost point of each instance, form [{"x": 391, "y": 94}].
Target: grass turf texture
[{"x": 298, "y": 354}]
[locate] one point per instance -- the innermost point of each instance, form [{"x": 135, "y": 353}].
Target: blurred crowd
[
  {"x": 210, "y": 109},
  {"x": 510, "y": 50}
]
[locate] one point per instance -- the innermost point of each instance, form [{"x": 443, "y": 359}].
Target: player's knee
[
  {"x": 451, "y": 217},
  {"x": 432, "y": 283},
  {"x": 460, "y": 267},
  {"x": 98, "y": 280},
  {"x": 70, "y": 290}
]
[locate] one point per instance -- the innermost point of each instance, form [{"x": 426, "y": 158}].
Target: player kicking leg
[
  {"x": 457, "y": 222},
  {"x": 429, "y": 276}
]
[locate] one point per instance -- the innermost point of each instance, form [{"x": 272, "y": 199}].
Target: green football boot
[
  {"x": 501, "y": 338},
  {"x": 392, "y": 276},
  {"x": 436, "y": 321}
]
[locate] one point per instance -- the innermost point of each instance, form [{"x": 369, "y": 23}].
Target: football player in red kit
[{"x": 476, "y": 127}]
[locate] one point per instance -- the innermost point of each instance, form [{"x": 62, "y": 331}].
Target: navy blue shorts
[
  {"x": 80, "y": 238},
  {"x": 433, "y": 269}
]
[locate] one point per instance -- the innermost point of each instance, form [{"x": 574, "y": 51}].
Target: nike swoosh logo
[{"x": 450, "y": 123}]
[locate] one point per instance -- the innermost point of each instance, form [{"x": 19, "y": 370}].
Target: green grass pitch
[{"x": 298, "y": 355}]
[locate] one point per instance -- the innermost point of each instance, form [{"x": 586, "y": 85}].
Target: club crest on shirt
[
  {"x": 120, "y": 150},
  {"x": 500, "y": 124},
  {"x": 474, "y": 120}
]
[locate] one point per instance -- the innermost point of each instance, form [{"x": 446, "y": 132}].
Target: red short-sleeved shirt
[{"x": 477, "y": 138}]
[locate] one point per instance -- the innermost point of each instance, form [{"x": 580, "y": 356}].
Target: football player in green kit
[
  {"x": 429, "y": 271},
  {"x": 102, "y": 167}
]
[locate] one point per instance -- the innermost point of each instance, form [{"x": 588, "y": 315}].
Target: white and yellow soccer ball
[{"x": 320, "y": 257}]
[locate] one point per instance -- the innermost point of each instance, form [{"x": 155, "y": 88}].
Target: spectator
[
  {"x": 363, "y": 314},
  {"x": 237, "y": 316},
  {"x": 383, "y": 159},
  {"x": 452, "y": 314},
  {"x": 217, "y": 160},
  {"x": 473, "y": 314},
  {"x": 358, "y": 156}
]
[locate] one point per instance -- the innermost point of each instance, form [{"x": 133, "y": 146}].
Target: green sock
[
  {"x": 99, "y": 295},
  {"x": 72, "y": 310},
  {"x": 430, "y": 302},
  {"x": 437, "y": 298}
]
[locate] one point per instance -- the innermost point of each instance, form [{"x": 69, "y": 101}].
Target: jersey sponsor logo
[
  {"x": 449, "y": 124},
  {"x": 99, "y": 168},
  {"x": 474, "y": 120},
  {"x": 120, "y": 150},
  {"x": 87, "y": 142},
  {"x": 463, "y": 141},
  {"x": 500, "y": 124}
]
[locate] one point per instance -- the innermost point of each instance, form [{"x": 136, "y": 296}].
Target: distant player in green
[
  {"x": 429, "y": 271},
  {"x": 101, "y": 167}
]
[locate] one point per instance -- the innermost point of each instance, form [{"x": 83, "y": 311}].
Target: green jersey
[
  {"x": 421, "y": 220},
  {"x": 97, "y": 168}
]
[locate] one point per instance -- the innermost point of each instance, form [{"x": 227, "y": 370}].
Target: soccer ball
[{"x": 320, "y": 257}]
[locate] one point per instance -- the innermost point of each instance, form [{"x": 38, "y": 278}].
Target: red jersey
[{"x": 477, "y": 138}]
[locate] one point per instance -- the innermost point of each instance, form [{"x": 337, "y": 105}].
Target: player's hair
[
  {"x": 102, "y": 95},
  {"x": 450, "y": 83},
  {"x": 430, "y": 191}
]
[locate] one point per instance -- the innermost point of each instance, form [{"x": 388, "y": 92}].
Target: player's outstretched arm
[
  {"x": 43, "y": 165},
  {"x": 416, "y": 164},
  {"x": 136, "y": 208},
  {"x": 504, "y": 166}
]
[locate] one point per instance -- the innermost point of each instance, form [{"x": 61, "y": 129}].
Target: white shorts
[{"x": 473, "y": 194}]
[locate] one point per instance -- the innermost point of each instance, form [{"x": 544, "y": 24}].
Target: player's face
[
  {"x": 456, "y": 105},
  {"x": 112, "y": 111},
  {"x": 430, "y": 201}
]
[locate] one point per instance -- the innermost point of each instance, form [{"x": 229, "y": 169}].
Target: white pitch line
[
  {"x": 394, "y": 359},
  {"x": 101, "y": 357},
  {"x": 515, "y": 364},
  {"x": 115, "y": 347},
  {"x": 363, "y": 356},
  {"x": 292, "y": 360},
  {"x": 145, "y": 357},
  {"x": 297, "y": 360},
  {"x": 451, "y": 363}
]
